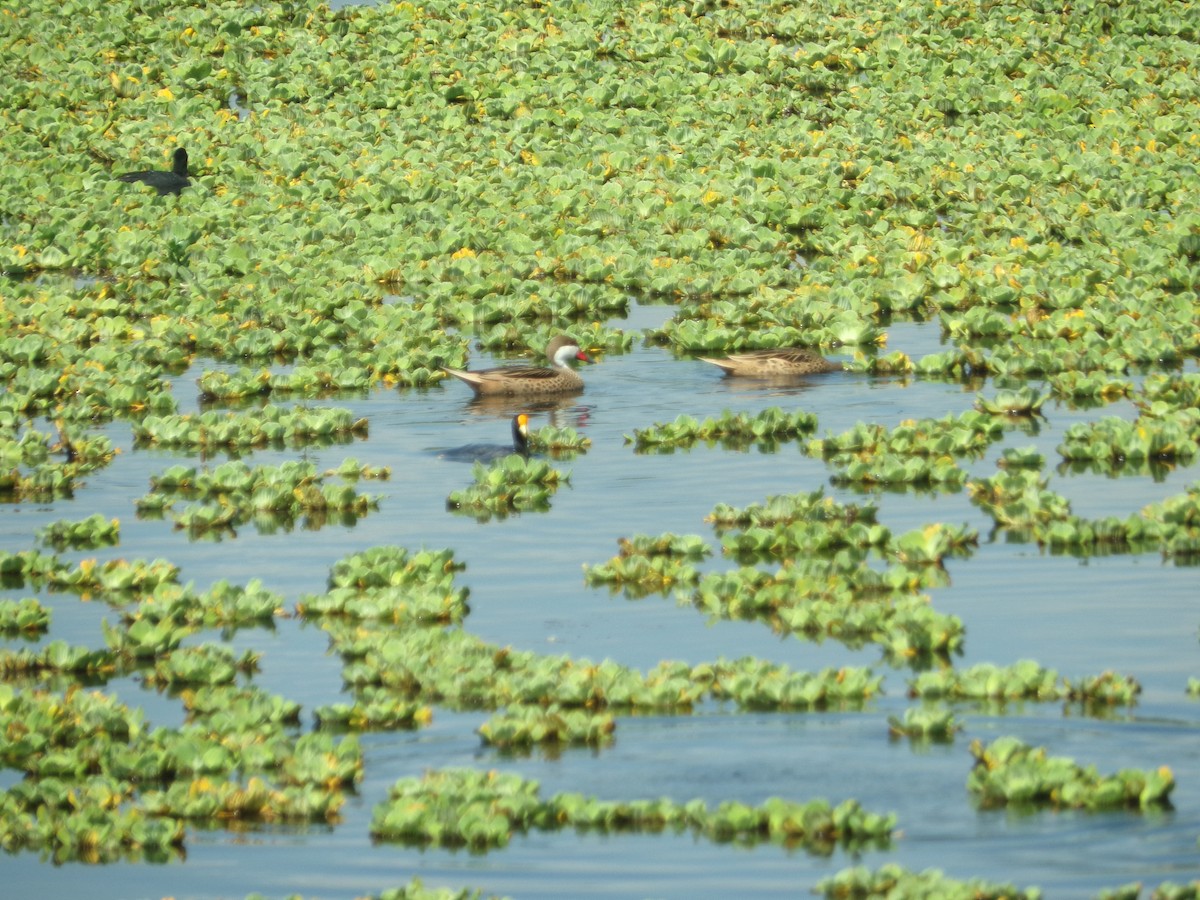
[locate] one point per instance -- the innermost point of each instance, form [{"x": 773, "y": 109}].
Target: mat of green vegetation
[{"x": 787, "y": 173}]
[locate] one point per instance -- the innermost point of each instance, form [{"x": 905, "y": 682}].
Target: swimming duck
[
  {"x": 524, "y": 380},
  {"x": 164, "y": 182},
  {"x": 491, "y": 452},
  {"x": 779, "y": 363}
]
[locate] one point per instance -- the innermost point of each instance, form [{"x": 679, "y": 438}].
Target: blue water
[{"x": 1135, "y": 614}]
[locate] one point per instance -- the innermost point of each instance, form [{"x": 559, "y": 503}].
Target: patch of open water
[{"x": 1133, "y": 614}]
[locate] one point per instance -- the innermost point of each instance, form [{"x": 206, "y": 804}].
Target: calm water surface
[{"x": 1134, "y": 614}]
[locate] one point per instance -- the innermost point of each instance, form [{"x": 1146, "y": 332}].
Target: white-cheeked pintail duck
[
  {"x": 529, "y": 381},
  {"x": 783, "y": 362}
]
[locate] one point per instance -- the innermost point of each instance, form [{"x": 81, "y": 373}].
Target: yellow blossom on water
[{"x": 463, "y": 253}]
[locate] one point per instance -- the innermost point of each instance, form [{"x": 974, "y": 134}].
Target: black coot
[{"x": 164, "y": 182}]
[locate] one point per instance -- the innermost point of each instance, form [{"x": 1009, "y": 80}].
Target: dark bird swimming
[{"x": 164, "y": 182}]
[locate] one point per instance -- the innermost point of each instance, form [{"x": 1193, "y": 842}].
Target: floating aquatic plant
[
  {"x": 513, "y": 484},
  {"x": 30, "y": 468},
  {"x": 925, "y": 723},
  {"x": 1025, "y": 401},
  {"x": 483, "y": 810},
  {"x": 787, "y": 508},
  {"x": 224, "y": 605},
  {"x": 1023, "y": 680},
  {"x": 416, "y": 890},
  {"x": 1018, "y": 501},
  {"x": 1018, "y": 498},
  {"x": 823, "y": 589},
  {"x": 25, "y": 617},
  {"x": 270, "y": 497},
  {"x": 754, "y": 684},
  {"x": 559, "y": 441},
  {"x": 638, "y": 575},
  {"x": 1084, "y": 388},
  {"x": 86, "y": 821},
  {"x": 254, "y": 800},
  {"x": 390, "y": 584},
  {"x": 80, "y": 748},
  {"x": 373, "y": 710},
  {"x": 1115, "y": 443},
  {"x": 117, "y": 579},
  {"x": 647, "y": 564},
  {"x": 524, "y": 726},
  {"x": 735, "y": 430},
  {"x": 1021, "y": 458},
  {"x": 1166, "y": 392},
  {"x": 59, "y": 656},
  {"x": 967, "y": 435},
  {"x": 207, "y": 664},
  {"x": 226, "y": 710},
  {"x": 893, "y": 471},
  {"x": 269, "y": 426},
  {"x": 451, "y": 667},
  {"x": 87, "y": 534},
  {"x": 787, "y": 541},
  {"x": 930, "y": 545},
  {"x": 1008, "y": 772},
  {"x": 892, "y": 880}
]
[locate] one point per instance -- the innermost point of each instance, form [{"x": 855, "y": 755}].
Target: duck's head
[{"x": 563, "y": 349}]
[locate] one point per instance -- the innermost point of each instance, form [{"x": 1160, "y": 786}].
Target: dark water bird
[
  {"x": 164, "y": 182},
  {"x": 783, "y": 362},
  {"x": 530, "y": 381},
  {"x": 520, "y": 433},
  {"x": 493, "y": 452}
]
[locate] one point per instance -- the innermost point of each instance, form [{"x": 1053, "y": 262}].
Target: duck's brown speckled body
[
  {"x": 530, "y": 381},
  {"x": 783, "y": 362}
]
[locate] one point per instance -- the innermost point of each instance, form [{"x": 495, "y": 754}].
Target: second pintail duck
[
  {"x": 529, "y": 381},
  {"x": 782, "y": 362}
]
